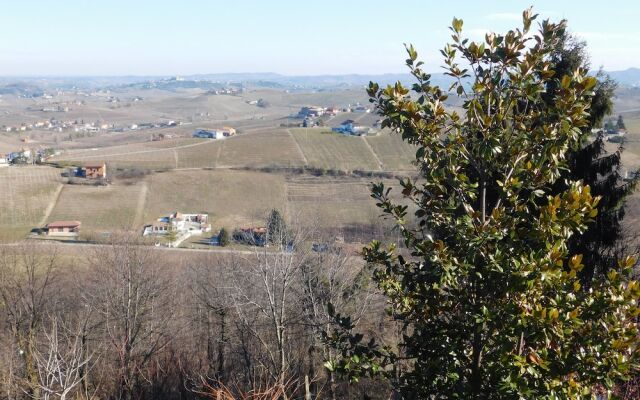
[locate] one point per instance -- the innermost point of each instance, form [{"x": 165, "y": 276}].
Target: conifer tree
[{"x": 589, "y": 162}]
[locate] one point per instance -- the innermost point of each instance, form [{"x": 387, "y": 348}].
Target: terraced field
[
  {"x": 331, "y": 203},
  {"x": 25, "y": 195},
  {"x": 274, "y": 148},
  {"x": 324, "y": 149}
]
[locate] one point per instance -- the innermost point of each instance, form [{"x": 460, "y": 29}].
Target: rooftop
[{"x": 63, "y": 224}]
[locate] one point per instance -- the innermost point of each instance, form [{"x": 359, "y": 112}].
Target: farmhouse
[
  {"x": 349, "y": 127},
  {"x": 310, "y": 111},
  {"x": 183, "y": 224},
  {"x": 228, "y": 131},
  {"x": 332, "y": 111},
  {"x": 217, "y": 133},
  {"x": 63, "y": 228},
  {"x": 208, "y": 134},
  {"x": 19, "y": 157},
  {"x": 256, "y": 236},
  {"x": 94, "y": 171},
  {"x": 361, "y": 109}
]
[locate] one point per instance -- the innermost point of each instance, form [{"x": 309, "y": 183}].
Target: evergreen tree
[
  {"x": 589, "y": 162},
  {"x": 223, "y": 237},
  {"x": 487, "y": 295},
  {"x": 608, "y": 125},
  {"x": 276, "y": 228},
  {"x": 620, "y": 124}
]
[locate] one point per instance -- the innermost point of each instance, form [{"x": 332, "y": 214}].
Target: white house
[{"x": 183, "y": 224}]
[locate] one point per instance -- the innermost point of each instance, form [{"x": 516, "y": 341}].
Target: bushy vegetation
[{"x": 488, "y": 299}]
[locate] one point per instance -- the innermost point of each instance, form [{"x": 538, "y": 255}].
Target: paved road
[{"x": 85, "y": 245}]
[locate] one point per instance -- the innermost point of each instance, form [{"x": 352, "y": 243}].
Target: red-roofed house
[
  {"x": 95, "y": 171},
  {"x": 63, "y": 228}
]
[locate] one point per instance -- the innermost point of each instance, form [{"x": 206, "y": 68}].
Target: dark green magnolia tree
[
  {"x": 603, "y": 242},
  {"x": 487, "y": 293}
]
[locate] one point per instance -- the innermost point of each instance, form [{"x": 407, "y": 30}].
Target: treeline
[{"x": 126, "y": 321}]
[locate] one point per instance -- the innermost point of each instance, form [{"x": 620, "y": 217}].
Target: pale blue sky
[{"x": 159, "y": 37}]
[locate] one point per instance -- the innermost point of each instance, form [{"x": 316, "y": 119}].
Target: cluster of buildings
[
  {"x": 25, "y": 156},
  {"x": 56, "y": 125},
  {"x": 310, "y": 115},
  {"x": 317, "y": 111},
  {"x": 215, "y": 133},
  {"x": 231, "y": 91}
]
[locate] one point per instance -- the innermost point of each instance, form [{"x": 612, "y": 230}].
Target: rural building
[
  {"x": 361, "y": 109},
  {"x": 19, "y": 157},
  {"x": 94, "y": 171},
  {"x": 349, "y": 127},
  {"x": 158, "y": 228},
  {"x": 183, "y": 224},
  {"x": 253, "y": 236},
  {"x": 332, "y": 111},
  {"x": 3, "y": 161},
  {"x": 228, "y": 131},
  {"x": 63, "y": 228},
  {"x": 209, "y": 134},
  {"x": 310, "y": 111}
]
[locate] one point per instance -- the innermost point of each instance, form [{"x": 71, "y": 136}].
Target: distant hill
[
  {"x": 33, "y": 85},
  {"x": 627, "y": 77}
]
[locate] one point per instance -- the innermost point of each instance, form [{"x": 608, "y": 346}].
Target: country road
[{"x": 85, "y": 245}]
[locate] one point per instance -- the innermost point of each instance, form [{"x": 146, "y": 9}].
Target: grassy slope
[
  {"x": 25, "y": 193},
  {"x": 325, "y": 149},
  {"x": 232, "y": 198},
  {"x": 99, "y": 208},
  {"x": 395, "y": 154}
]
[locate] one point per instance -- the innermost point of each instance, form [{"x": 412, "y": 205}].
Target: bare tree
[
  {"x": 336, "y": 279},
  {"x": 26, "y": 279},
  {"x": 61, "y": 364},
  {"x": 264, "y": 289},
  {"x": 212, "y": 288},
  {"x": 131, "y": 295}
]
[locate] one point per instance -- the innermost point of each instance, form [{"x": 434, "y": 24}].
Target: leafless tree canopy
[{"x": 128, "y": 321}]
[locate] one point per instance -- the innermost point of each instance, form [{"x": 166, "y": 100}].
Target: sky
[{"x": 158, "y": 37}]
